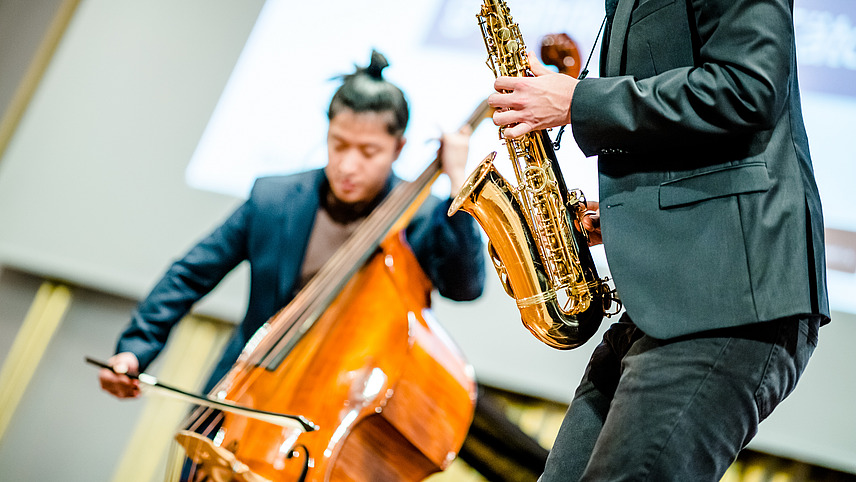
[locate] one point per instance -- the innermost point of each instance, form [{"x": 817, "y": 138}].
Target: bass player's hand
[
  {"x": 454, "y": 148},
  {"x": 118, "y": 385}
]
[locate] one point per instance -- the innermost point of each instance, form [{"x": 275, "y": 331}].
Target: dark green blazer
[{"x": 710, "y": 213}]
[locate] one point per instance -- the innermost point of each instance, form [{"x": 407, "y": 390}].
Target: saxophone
[{"x": 536, "y": 241}]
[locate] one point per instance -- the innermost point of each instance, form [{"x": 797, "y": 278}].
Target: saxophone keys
[{"x": 512, "y": 46}]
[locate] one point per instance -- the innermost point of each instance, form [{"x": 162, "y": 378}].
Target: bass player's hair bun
[
  {"x": 377, "y": 64},
  {"x": 366, "y": 90}
]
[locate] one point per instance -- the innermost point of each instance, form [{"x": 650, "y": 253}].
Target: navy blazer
[
  {"x": 271, "y": 231},
  {"x": 709, "y": 210}
]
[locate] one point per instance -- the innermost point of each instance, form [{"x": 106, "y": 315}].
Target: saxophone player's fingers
[
  {"x": 537, "y": 67},
  {"x": 505, "y": 117},
  {"x": 501, "y": 103},
  {"x": 503, "y": 84},
  {"x": 591, "y": 220},
  {"x": 540, "y": 102},
  {"x": 514, "y": 122},
  {"x": 517, "y": 130},
  {"x": 591, "y": 223}
]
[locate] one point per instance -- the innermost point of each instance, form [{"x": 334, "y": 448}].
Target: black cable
[{"x": 582, "y": 76}]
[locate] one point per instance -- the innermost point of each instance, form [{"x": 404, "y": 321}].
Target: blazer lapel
[
  {"x": 617, "y": 34},
  {"x": 295, "y": 220}
]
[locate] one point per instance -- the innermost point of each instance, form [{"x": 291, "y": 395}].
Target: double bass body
[{"x": 391, "y": 395}]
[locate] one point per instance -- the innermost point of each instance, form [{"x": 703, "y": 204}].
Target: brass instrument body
[{"x": 537, "y": 244}]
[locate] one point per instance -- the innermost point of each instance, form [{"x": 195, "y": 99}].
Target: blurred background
[{"x": 129, "y": 129}]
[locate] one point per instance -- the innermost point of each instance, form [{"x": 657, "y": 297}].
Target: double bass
[
  {"x": 369, "y": 385},
  {"x": 561, "y": 51}
]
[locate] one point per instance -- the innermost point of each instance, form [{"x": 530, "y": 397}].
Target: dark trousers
[{"x": 680, "y": 409}]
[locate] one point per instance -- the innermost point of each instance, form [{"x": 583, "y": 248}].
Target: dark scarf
[{"x": 346, "y": 213}]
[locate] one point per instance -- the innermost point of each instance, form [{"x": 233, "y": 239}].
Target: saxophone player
[{"x": 712, "y": 227}]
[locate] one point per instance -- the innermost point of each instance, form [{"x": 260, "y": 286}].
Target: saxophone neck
[{"x": 505, "y": 47}]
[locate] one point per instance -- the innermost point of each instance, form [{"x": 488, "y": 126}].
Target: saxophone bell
[
  {"x": 537, "y": 243},
  {"x": 553, "y": 316}
]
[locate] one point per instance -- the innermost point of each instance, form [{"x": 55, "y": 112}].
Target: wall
[
  {"x": 92, "y": 184},
  {"x": 22, "y": 27},
  {"x": 64, "y": 428}
]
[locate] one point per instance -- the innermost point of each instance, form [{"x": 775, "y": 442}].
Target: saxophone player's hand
[
  {"x": 526, "y": 104},
  {"x": 591, "y": 223}
]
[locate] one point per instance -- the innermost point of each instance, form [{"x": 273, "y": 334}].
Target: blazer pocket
[
  {"x": 728, "y": 181},
  {"x": 646, "y": 8}
]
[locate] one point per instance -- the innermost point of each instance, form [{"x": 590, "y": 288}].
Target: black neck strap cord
[{"x": 582, "y": 76}]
